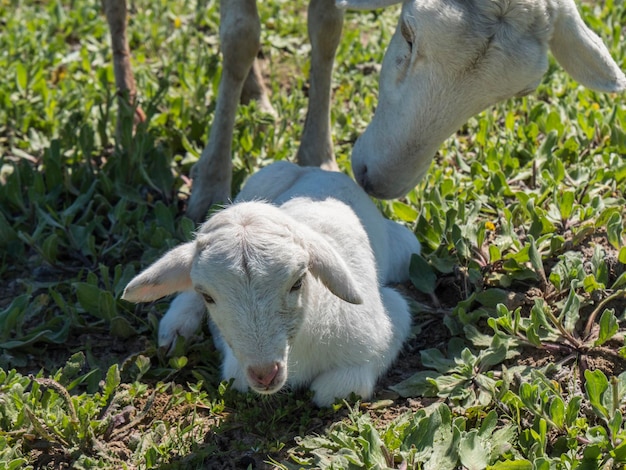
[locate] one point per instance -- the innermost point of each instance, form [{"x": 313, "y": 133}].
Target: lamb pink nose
[{"x": 263, "y": 375}]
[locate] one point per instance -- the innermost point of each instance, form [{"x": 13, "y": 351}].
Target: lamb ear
[
  {"x": 328, "y": 266},
  {"x": 168, "y": 275},
  {"x": 364, "y": 4},
  {"x": 582, "y": 53}
]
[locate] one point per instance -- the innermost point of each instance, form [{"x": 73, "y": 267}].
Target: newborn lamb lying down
[{"x": 295, "y": 277}]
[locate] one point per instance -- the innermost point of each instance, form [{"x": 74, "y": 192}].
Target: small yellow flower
[
  {"x": 490, "y": 226},
  {"x": 177, "y": 22},
  {"x": 59, "y": 74}
]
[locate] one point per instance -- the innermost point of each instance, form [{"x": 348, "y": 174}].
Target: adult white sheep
[
  {"x": 295, "y": 285},
  {"x": 241, "y": 78},
  {"x": 450, "y": 59}
]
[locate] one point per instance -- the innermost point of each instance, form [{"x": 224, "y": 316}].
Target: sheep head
[{"x": 450, "y": 59}]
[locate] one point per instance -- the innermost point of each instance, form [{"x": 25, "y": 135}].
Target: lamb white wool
[{"x": 294, "y": 277}]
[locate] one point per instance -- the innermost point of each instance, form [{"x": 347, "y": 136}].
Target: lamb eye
[
  {"x": 207, "y": 298},
  {"x": 297, "y": 285}
]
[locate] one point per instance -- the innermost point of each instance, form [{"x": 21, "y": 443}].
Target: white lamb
[{"x": 295, "y": 285}]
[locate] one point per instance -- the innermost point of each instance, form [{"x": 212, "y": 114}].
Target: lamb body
[{"x": 295, "y": 285}]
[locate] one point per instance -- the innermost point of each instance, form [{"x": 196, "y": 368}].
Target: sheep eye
[
  {"x": 207, "y": 298},
  {"x": 297, "y": 285}
]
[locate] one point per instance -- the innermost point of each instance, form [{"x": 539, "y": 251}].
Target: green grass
[{"x": 517, "y": 359}]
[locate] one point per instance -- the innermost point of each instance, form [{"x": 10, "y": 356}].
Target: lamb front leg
[
  {"x": 240, "y": 31},
  {"x": 116, "y": 13},
  {"x": 325, "y": 22},
  {"x": 341, "y": 382},
  {"x": 183, "y": 318}
]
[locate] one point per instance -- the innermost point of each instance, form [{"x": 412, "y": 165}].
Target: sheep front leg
[
  {"x": 240, "y": 31},
  {"x": 116, "y": 13},
  {"x": 325, "y": 22}
]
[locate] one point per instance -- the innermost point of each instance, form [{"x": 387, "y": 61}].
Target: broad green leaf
[
  {"x": 21, "y": 76},
  {"x": 494, "y": 355},
  {"x": 12, "y": 314},
  {"x": 557, "y": 411},
  {"x": 488, "y": 424},
  {"x": 418, "y": 385},
  {"x": 178, "y": 362},
  {"x": 404, "y": 212},
  {"x": 615, "y": 424},
  {"x": 143, "y": 365},
  {"x": 17, "y": 463},
  {"x": 492, "y": 297},
  {"x": 472, "y": 453},
  {"x": 619, "y": 453},
  {"x": 373, "y": 455},
  {"x": 164, "y": 217},
  {"x": 529, "y": 395},
  {"x": 494, "y": 254},
  {"x": 608, "y": 327},
  {"x": 541, "y": 464},
  {"x": 571, "y": 310},
  {"x": 591, "y": 284},
  {"x": 422, "y": 275},
  {"x": 445, "y": 442},
  {"x": 111, "y": 382},
  {"x": 54, "y": 331},
  {"x": 614, "y": 229},
  {"x": 599, "y": 265},
  {"x": 7, "y": 233},
  {"x": 533, "y": 337},
  {"x": 96, "y": 301},
  {"x": 476, "y": 337},
  {"x": 596, "y": 384},
  {"x": 566, "y": 204},
  {"x": 571, "y": 412},
  {"x": 434, "y": 359},
  {"x": 520, "y": 464},
  {"x": 535, "y": 259},
  {"x": 50, "y": 247},
  {"x": 121, "y": 327},
  {"x": 620, "y": 282}
]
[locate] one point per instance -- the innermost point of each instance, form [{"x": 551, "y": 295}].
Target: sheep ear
[
  {"x": 170, "y": 274},
  {"x": 582, "y": 53},
  {"x": 364, "y": 4},
  {"x": 328, "y": 266}
]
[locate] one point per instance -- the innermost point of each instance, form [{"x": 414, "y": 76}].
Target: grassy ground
[{"x": 517, "y": 359}]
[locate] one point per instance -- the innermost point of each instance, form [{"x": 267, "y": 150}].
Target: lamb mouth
[{"x": 267, "y": 390}]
